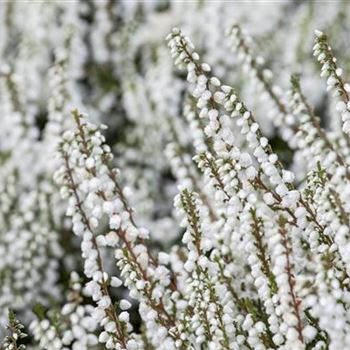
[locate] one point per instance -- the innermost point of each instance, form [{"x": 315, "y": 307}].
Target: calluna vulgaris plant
[{"x": 256, "y": 254}]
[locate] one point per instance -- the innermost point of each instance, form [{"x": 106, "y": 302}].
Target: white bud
[
  {"x": 124, "y": 316},
  {"x": 116, "y": 282},
  {"x": 124, "y": 304},
  {"x": 115, "y": 222}
]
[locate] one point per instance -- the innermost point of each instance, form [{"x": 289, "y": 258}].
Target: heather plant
[
  {"x": 16, "y": 334},
  {"x": 164, "y": 193}
]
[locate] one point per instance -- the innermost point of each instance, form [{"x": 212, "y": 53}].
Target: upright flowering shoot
[
  {"x": 95, "y": 195},
  {"x": 211, "y": 325},
  {"x": 71, "y": 326},
  {"x": 82, "y": 153},
  {"x": 335, "y": 82},
  {"x": 263, "y": 79},
  {"x": 279, "y": 264},
  {"x": 13, "y": 341}
]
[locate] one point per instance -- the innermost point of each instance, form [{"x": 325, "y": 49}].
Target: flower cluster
[
  {"x": 192, "y": 207},
  {"x": 12, "y": 341},
  {"x": 71, "y": 327},
  {"x": 262, "y": 78},
  {"x": 335, "y": 83},
  {"x": 261, "y": 175},
  {"x": 98, "y": 202}
]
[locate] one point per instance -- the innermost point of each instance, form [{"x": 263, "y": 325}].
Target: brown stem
[
  {"x": 291, "y": 279},
  {"x": 322, "y": 134},
  {"x": 121, "y": 234},
  {"x": 110, "y": 310}
]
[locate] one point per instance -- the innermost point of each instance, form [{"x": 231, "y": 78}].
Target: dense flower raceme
[
  {"x": 333, "y": 73},
  {"x": 263, "y": 259},
  {"x": 71, "y": 327},
  {"x": 276, "y": 187},
  {"x": 258, "y": 255},
  {"x": 16, "y": 334},
  {"x": 95, "y": 195},
  {"x": 255, "y": 253}
]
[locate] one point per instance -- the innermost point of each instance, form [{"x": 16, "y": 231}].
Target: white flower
[
  {"x": 104, "y": 302},
  {"x": 116, "y": 282},
  {"x": 124, "y": 304},
  {"x": 112, "y": 239},
  {"x": 341, "y": 106},
  {"x": 288, "y": 176},
  {"x": 115, "y": 221},
  {"x": 281, "y": 189},
  {"x": 124, "y": 316}
]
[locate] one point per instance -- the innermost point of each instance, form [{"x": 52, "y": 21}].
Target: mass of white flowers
[{"x": 174, "y": 175}]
